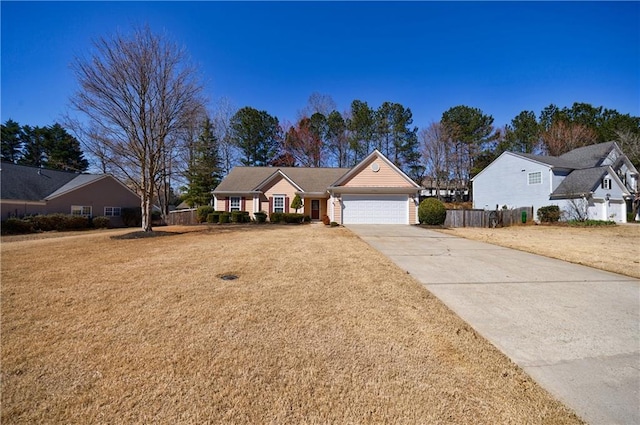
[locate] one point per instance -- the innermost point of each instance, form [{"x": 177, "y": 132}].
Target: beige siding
[
  {"x": 384, "y": 177},
  {"x": 413, "y": 211},
  {"x": 337, "y": 211},
  {"x": 280, "y": 186}
]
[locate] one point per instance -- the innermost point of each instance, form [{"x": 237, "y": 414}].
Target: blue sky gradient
[{"x": 501, "y": 57}]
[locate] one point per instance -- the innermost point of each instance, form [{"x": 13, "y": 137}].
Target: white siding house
[{"x": 596, "y": 182}]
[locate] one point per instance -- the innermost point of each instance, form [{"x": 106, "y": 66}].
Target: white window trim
[
  {"x": 533, "y": 174},
  {"x": 231, "y": 202},
  {"x": 606, "y": 183},
  {"x": 276, "y": 197},
  {"x": 115, "y": 211},
  {"x": 81, "y": 210}
]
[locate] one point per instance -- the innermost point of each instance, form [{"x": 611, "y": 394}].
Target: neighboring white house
[{"x": 596, "y": 182}]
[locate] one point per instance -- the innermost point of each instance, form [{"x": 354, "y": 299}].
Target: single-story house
[
  {"x": 375, "y": 191},
  {"x": 27, "y": 190},
  {"x": 598, "y": 182}
]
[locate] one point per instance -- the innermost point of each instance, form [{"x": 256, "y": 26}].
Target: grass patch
[
  {"x": 591, "y": 223},
  {"x": 318, "y": 328}
]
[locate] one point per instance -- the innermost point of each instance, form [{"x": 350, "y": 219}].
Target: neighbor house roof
[
  {"x": 589, "y": 156},
  {"x": 28, "y": 183},
  {"x": 553, "y": 161},
  {"x": 579, "y": 183},
  {"x": 249, "y": 179},
  {"x": 79, "y": 181}
]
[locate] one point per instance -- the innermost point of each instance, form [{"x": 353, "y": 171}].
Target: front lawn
[{"x": 318, "y": 328}]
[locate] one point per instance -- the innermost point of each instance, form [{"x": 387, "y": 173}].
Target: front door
[{"x": 315, "y": 209}]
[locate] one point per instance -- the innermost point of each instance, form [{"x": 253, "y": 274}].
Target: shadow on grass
[{"x": 141, "y": 234}]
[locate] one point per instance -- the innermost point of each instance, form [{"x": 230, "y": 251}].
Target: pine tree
[
  {"x": 204, "y": 171},
  {"x": 11, "y": 141}
]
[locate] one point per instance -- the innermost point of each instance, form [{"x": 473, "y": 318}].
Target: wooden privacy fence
[
  {"x": 182, "y": 217},
  {"x": 483, "y": 218}
]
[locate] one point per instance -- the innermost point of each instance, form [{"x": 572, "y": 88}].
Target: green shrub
[
  {"x": 240, "y": 217},
  {"x": 334, "y": 224},
  {"x": 132, "y": 217},
  {"x": 224, "y": 218},
  {"x": 49, "y": 222},
  {"x": 292, "y": 218},
  {"x": 16, "y": 226},
  {"x": 549, "y": 214},
  {"x": 213, "y": 217},
  {"x": 261, "y": 216},
  {"x": 202, "y": 213},
  {"x": 76, "y": 222},
  {"x": 275, "y": 217},
  {"x": 307, "y": 219},
  {"x": 101, "y": 222},
  {"x": 296, "y": 204},
  {"x": 432, "y": 212}
]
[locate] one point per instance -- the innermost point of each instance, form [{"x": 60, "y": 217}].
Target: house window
[
  {"x": 80, "y": 210},
  {"x": 278, "y": 203},
  {"x": 112, "y": 211},
  {"x": 606, "y": 183},
  {"x": 234, "y": 203},
  {"x": 535, "y": 178}
]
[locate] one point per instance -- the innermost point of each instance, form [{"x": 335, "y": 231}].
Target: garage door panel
[{"x": 375, "y": 209}]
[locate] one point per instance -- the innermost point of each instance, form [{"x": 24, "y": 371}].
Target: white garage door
[{"x": 375, "y": 209}]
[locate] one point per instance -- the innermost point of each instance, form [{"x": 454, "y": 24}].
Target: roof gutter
[{"x": 374, "y": 189}]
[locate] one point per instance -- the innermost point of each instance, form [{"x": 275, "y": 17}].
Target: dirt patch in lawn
[
  {"x": 611, "y": 248},
  {"x": 317, "y": 328}
]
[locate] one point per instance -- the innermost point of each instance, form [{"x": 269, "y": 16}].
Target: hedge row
[
  {"x": 549, "y": 214},
  {"x": 46, "y": 223},
  {"x": 226, "y": 217}
]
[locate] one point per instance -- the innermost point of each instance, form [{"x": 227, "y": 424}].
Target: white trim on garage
[{"x": 375, "y": 209}]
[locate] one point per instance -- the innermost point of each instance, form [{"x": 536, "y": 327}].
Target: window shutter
[
  {"x": 243, "y": 204},
  {"x": 270, "y": 204},
  {"x": 286, "y": 204},
  {"x": 226, "y": 203}
]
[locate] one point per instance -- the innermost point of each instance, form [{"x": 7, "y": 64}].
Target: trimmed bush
[
  {"x": 202, "y": 213},
  {"x": 16, "y": 226},
  {"x": 334, "y": 224},
  {"x": 77, "y": 222},
  {"x": 101, "y": 222},
  {"x": 549, "y": 214},
  {"x": 325, "y": 220},
  {"x": 261, "y": 217},
  {"x": 213, "y": 217},
  {"x": 275, "y": 217},
  {"x": 246, "y": 218},
  {"x": 292, "y": 218},
  {"x": 307, "y": 219},
  {"x": 224, "y": 218},
  {"x": 432, "y": 212},
  {"x": 49, "y": 222}
]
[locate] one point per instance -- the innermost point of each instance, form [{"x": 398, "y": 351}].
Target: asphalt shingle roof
[
  {"x": 579, "y": 182},
  {"x": 588, "y": 156},
  {"x": 554, "y": 161},
  {"x": 247, "y": 179},
  {"x": 31, "y": 183}
]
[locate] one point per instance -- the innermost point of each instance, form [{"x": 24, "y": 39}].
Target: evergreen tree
[
  {"x": 257, "y": 135},
  {"x": 204, "y": 169},
  {"x": 34, "y": 146},
  {"x": 63, "y": 150},
  {"x": 11, "y": 141}
]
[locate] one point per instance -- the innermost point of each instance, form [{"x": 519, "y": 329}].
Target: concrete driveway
[{"x": 574, "y": 329}]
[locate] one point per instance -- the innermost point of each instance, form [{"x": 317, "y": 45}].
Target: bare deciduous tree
[
  {"x": 222, "y": 115},
  {"x": 136, "y": 92},
  {"x": 435, "y": 150},
  {"x": 563, "y": 136}
]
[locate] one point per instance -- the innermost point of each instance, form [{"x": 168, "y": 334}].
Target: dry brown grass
[
  {"x": 611, "y": 248},
  {"x": 319, "y": 328}
]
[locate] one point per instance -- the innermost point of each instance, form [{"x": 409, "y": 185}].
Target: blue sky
[{"x": 501, "y": 57}]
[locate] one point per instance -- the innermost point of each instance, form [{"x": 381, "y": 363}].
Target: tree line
[
  {"x": 48, "y": 147},
  {"x": 143, "y": 117}
]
